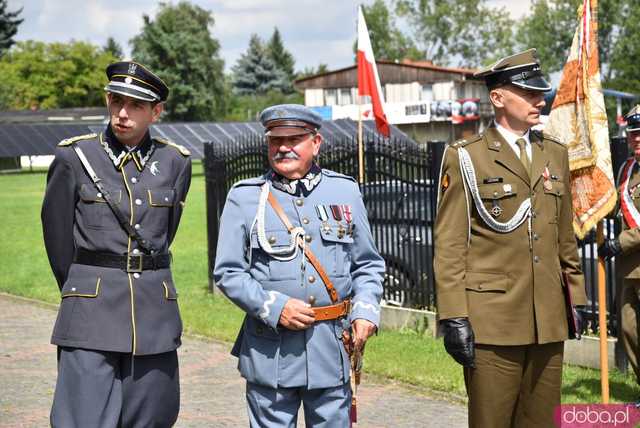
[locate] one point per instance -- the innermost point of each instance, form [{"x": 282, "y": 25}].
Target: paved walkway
[{"x": 212, "y": 390}]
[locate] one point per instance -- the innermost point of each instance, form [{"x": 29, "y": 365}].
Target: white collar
[{"x": 510, "y": 136}]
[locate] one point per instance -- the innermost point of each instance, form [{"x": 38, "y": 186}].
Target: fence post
[{"x": 215, "y": 173}]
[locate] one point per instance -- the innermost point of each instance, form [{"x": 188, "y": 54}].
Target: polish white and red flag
[{"x": 368, "y": 80}]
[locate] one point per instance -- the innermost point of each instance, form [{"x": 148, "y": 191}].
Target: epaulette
[
  {"x": 330, "y": 173},
  {"x": 255, "y": 181},
  {"x": 69, "y": 141},
  {"x": 182, "y": 149},
  {"x": 465, "y": 142},
  {"x": 550, "y": 137}
]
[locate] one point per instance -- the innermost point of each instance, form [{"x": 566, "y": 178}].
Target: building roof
[{"x": 390, "y": 72}]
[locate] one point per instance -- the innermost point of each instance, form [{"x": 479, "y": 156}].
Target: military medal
[
  {"x": 546, "y": 175},
  {"x": 336, "y": 211},
  {"x": 323, "y": 215},
  {"x": 496, "y": 209},
  {"x": 348, "y": 217}
]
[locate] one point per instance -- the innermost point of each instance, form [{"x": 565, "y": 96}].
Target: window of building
[
  {"x": 345, "y": 96},
  {"x": 427, "y": 93},
  {"x": 330, "y": 97}
]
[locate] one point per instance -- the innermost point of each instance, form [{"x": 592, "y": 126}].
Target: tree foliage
[
  {"x": 177, "y": 45},
  {"x": 37, "y": 75},
  {"x": 387, "y": 41},
  {"x": 256, "y": 74},
  {"x": 113, "y": 47},
  {"x": 9, "y": 23},
  {"x": 280, "y": 56},
  {"x": 458, "y": 32}
]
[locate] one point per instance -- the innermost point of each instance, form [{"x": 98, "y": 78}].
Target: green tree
[
  {"x": 113, "y": 47},
  {"x": 256, "y": 74},
  {"x": 312, "y": 71},
  {"x": 37, "y": 75},
  {"x": 178, "y": 46},
  {"x": 623, "y": 74},
  {"x": 387, "y": 41},
  {"x": 280, "y": 57},
  {"x": 458, "y": 32},
  {"x": 9, "y": 23}
]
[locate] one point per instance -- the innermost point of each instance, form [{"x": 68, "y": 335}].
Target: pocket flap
[
  {"x": 486, "y": 281},
  {"x": 557, "y": 188},
  {"x": 497, "y": 190},
  {"x": 89, "y": 193},
  {"x": 170, "y": 292},
  {"x": 81, "y": 289},
  {"x": 260, "y": 329},
  {"x": 161, "y": 197},
  {"x": 277, "y": 238},
  {"x": 332, "y": 234}
]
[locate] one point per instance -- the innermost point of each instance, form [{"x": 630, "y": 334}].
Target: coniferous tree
[
  {"x": 256, "y": 74},
  {"x": 114, "y": 48},
  {"x": 280, "y": 56},
  {"x": 9, "y": 23}
]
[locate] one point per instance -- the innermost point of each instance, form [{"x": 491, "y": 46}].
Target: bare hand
[
  {"x": 362, "y": 329},
  {"x": 297, "y": 315}
]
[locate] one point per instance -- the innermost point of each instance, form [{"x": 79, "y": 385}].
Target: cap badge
[
  {"x": 281, "y": 113},
  {"x": 132, "y": 68},
  {"x": 128, "y": 80}
]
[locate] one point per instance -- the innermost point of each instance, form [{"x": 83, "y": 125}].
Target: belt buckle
[{"x": 132, "y": 267}]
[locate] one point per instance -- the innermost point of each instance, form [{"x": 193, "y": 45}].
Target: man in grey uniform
[
  {"x": 295, "y": 252},
  {"x": 111, "y": 210}
]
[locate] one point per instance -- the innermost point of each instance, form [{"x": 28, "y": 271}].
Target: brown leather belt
[{"x": 332, "y": 312}]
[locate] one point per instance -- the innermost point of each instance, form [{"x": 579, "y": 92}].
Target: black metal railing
[{"x": 399, "y": 192}]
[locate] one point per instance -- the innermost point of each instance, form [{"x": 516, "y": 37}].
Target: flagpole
[
  {"x": 360, "y": 144},
  {"x": 602, "y": 321}
]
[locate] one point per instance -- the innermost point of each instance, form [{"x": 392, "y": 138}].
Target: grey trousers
[
  {"x": 278, "y": 407},
  {"x": 102, "y": 389}
]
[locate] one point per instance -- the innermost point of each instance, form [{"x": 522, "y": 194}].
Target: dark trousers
[
  {"x": 514, "y": 386},
  {"x": 630, "y": 326},
  {"x": 102, "y": 389}
]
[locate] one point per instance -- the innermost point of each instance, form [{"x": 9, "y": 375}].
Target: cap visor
[
  {"x": 537, "y": 83},
  {"x": 130, "y": 92},
  {"x": 287, "y": 131},
  {"x": 634, "y": 128}
]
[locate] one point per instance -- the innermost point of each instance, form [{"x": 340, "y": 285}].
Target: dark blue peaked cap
[
  {"x": 633, "y": 119},
  {"x": 134, "y": 80}
]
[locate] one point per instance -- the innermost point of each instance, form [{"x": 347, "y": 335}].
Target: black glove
[
  {"x": 458, "y": 340},
  {"x": 609, "y": 248}
]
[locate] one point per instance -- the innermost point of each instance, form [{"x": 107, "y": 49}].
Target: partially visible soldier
[
  {"x": 295, "y": 252},
  {"x": 111, "y": 210},
  {"x": 627, "y": 244},
  {"x": 503, "y": 238}
]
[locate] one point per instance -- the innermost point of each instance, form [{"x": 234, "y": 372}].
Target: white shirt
[{"x": 511, "y": 138}]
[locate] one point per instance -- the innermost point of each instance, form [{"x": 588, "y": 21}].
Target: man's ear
[
  {"x": 317, "y": 141},
  {"x": 496, "y": 97},
  {"x": 106, "y": 99},
  {"x": 156, "y": 111}
]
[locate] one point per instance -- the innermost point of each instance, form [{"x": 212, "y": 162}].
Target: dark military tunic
[{"x": 107, "y": 308}]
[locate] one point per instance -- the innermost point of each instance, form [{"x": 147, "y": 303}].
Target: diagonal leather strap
[{"x": 333, "y": 294}]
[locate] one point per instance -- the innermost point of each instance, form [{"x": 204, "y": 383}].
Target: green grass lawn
[{"x": 406, "y": 356}]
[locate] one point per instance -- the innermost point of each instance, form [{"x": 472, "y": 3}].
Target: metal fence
[{"x": 400, "y": 195}]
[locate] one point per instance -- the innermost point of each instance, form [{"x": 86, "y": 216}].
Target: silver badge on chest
[{"x": 153, "y": 168}]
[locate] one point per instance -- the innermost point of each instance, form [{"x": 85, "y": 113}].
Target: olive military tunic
[
  {"x": 507, "y": 284},
  {"x": 102, "y": 308}
]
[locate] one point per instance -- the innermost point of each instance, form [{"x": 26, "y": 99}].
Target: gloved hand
[
  {"x": 609, "y": 248},
  {"x": 459, "y": 340}
]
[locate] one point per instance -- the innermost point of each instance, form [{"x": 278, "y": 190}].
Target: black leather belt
[{"x": 128, "y": 263}]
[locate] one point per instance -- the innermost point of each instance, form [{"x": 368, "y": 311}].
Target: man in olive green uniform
[
  {"x": 627, "y": 244},
  {"x": 503, "y": 237}
]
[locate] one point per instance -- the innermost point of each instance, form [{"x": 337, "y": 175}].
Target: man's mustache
[{"x": 286, "y": 155}]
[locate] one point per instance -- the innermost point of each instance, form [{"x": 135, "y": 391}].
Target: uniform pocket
[
  {"x": 280, "y": 239},
  {"x": 161, "y": 197},
  {"x": 81, "y": 289},
  {"x": 555, "y": 191},
  {"x": 94, "y": 210},
  {"x": 337, "y": 244},
  {"x": 500, "y": 199},
  {"x": 170, "y": 292},
  {"x": 160, "y": 203},
  {"x": 487, "y": 282}
]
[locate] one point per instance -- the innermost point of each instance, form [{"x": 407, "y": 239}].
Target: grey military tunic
[
  {"x": 269, "y": 354},
  {"x": 102, "y": 308}
]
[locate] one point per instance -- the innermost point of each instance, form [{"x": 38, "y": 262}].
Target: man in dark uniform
[
  {"x": 503, "y": 239},
  {"x": 111, "y": 210},
  {"x": 627, "y": 244}
]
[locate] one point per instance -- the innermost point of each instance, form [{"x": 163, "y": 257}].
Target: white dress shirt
[{"x": 511, "y": 138}]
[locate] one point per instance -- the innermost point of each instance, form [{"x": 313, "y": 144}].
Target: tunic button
[
  {"x": 136, "y": 251},
  {"x": 299, "y": 202},
  {"x": 136, "y": 275},
  {"x": 536, "y": 259},
  {"x": 99, "y": 195},
  {"x": 138, "y": 201},
  {"x": 136, "y": 226},
  {"x": 73, "y": 288},
  {"x": 134, "y": 180},
  {"x": 312, "y": 300},
  {"x": 305, "y": 220},
  {"x": 495, "y": 193},
  {"x": 308, "y": 238},
  {"x": 312, "y": 279},
  {"x": 535, "y": 237},
  {"x": 272, "y": 240}
]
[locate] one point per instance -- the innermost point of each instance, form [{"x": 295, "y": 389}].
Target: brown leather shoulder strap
[{"x": 333, "y": 294}]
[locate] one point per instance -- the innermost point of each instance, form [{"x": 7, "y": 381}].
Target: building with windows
[{"x": 426, "y": 101}]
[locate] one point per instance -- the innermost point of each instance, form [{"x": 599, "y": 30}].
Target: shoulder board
[
  {"x": 69, "y": 141},
  {"x": 465, "y": 142},
  {"x": 182, "y": 149},
  {"x": 330, "y": 173},
  {"x": 550, "y": 137},
  {"x": 255, "y": 181}
]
